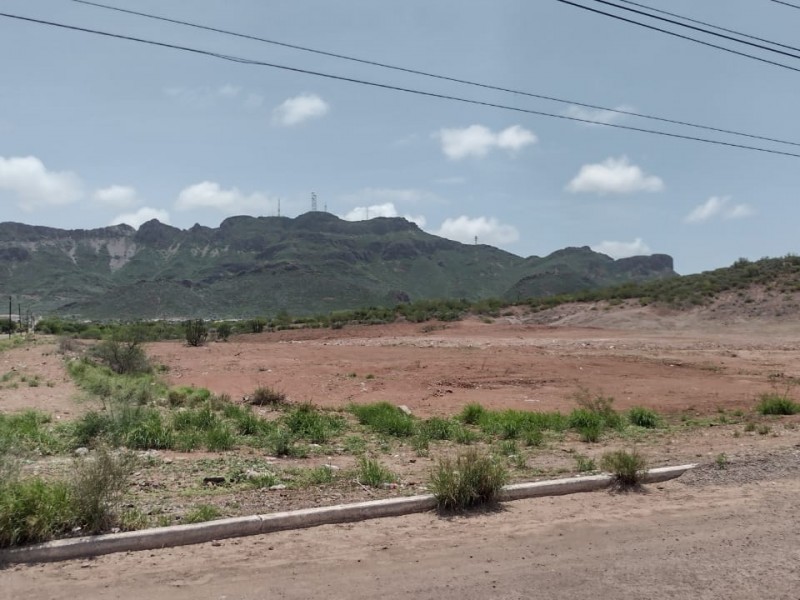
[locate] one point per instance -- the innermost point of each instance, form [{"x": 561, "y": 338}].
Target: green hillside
[{"x": 315, "y": 263}]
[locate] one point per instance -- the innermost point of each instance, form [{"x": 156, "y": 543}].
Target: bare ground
[{"x": 717, "y": 533}]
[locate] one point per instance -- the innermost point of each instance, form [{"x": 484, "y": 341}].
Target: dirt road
[{"x": 715, "y": 534}]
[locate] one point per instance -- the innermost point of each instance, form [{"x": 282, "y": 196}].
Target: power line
[
  {"x": 679, "y": 35},
  {"x": 437, "y": 76},
  {"x": 786, "y": 4},
  {"x": 704, "y": 23},
  {"x": 385, "y": 86}
]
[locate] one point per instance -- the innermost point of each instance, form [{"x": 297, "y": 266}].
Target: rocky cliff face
[{"x": 259, "y": 265}]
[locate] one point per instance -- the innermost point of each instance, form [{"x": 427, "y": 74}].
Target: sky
[{"x": 97, "y": 131}]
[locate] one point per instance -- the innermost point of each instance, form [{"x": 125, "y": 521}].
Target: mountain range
[{"x": 314, "y": 263}]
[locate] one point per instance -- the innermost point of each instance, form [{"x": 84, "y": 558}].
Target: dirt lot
[
  {"x": 719, "y": 533},
  {"x": 437, "y": 369}
]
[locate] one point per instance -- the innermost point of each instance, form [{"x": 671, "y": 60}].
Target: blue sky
[{"x": 95, "y": 131}]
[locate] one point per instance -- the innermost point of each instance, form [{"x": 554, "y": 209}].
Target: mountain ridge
[{"x": 315, "y": 262}]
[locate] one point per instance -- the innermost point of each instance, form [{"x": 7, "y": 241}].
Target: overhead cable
[
  {"x": 619, "y": 111},
  {"x": 679, "y": 35},
  {"x": 385, "y": 86}
]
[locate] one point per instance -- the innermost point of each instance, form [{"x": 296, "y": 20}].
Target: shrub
[
  {"x": 643, "y": 417},
  {"x": 123, "y": 356},
  {"x": 265, "y": 396},
  {"x": 472, "y": 480},
  {"x": 627, "y": 468},
  {"x": 777, "y": 404},
  {"x": 600, "y": 406},
  {"x": 373, "y": 473},
  {"x": 257, "y": 325},
  {"x": 195, "y": 332},
  {"x": 97, "y": 488},
  {"x": 384, "y": 418},
  {"x": 224, "y": 331}
]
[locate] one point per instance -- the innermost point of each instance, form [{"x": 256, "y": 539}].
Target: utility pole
[
  {"x": 313, "y": 202},
  {"x": 10, "y": 308}
]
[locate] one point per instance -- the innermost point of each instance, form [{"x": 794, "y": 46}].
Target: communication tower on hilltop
[{"x": 313, "y": 202}]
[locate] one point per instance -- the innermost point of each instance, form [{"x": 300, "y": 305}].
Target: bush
[
  {"x": 265, "y": 396},
  {"x": 97, "y": 488},
  {"x": 384, "y": 418},
  {"x": 472, "y": 480},
  {"x": 643, "y": 417},
  {"x": 627, "y": 468},
  {"x": 123, "y": 356},
  {"x": 777, "y": 404},
  {"x": 224, "y": 331},
  {"x": 195, "y": 332}
]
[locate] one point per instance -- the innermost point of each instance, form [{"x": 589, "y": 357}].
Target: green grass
[
  {"x": 202, "y": 513},
  {"x": 309, "y": 423},
  {"x": 643, "y": 417},
  {"x": 471, "y": 480},
  {"x": 777, "y": 404},
  {"x": 384, "y": 418},
  {"x": 30, "y": 431},
  {"x": 34, "y": 510},
  {"x": 372, "y": 473}
]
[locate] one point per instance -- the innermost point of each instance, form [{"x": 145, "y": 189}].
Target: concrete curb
[{"x": 181, "y": 535}]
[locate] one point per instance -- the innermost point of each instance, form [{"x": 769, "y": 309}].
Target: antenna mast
[{"x": 313, "y": 202}]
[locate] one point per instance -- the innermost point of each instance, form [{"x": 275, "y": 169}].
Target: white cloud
[
  {"x": 596, "y": 115},
  {"x": 34, "y": 186},
  {"x": 719, "y": 206},
  {"x": 387, "y": 209},
  {"x": 488, "y": 230},
  {"x": 118, "y": 196},
  {"x": 478, "y": 140},
  {"x": 142, "y": 215},
  {"x": 209, "y": 194},
  {"x": 301, "y": 108},
  {"x": 614, "y": 176},
  {"x": 622, "y": 249}
]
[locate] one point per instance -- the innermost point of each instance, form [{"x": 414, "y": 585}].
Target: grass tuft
[
  {"x": 472, "y": 480},
  {"x": 628, "y": 468}
]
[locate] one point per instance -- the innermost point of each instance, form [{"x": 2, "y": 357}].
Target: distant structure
[
  {"x": 279, "y": 207},
  {"x": 476, "y": 240},
  {"x": 313, "y": 202}
]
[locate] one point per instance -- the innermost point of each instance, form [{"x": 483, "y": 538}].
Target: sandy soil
[
  {"x": 507, "y": 364},
  {"x": 714, "y": 534}
]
